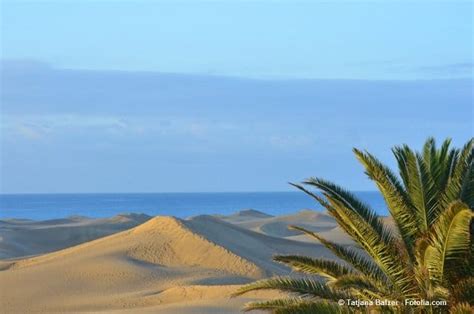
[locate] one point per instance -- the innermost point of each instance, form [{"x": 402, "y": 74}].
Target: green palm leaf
[
  {"x": 326, "y": 268},
  {"x": 358, "y": 282},
  {"x": 348, "y": 201},
  {"x": 461, "y": 171},
  {"x": 450, "y": 242},
  {"x": 439, "y": 162},
  {"x": 397, "y": 199},
  {"x": 467, "y": 189},
  {"x": 419, "y": 185},
  {"x": 369, "y": 231},
  {"x": 297, "y": 306},
  {"x": 361, "y": 263},
  {"x": 301, "y": 286}
]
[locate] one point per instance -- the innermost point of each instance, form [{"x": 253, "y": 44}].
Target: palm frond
[
  {"x": 396, "y": 198},
  {"x": 429, "y": 150},
  {"x": 297, "y": 306},
  {"x": 357, "y": 282},
  {"x": 350, "y": 201},
  {"x": 450, "y": 242},
  {"x": 384, "y": 250},
  {"x": 467, "y": 189},
  {"x": 362, "y": 264},
  {"x": 355, "y": 218},
  {"x": 419, "y": 185},
  {"x": 273, "y": 304},
  {"x": 438, "y": 161},
  {"x": 461, "y": 308},
  {"x": 366, "y": 228},
  {"x": 318, "y": 198},
  {"x": 460, "y": 172},
  {"x": 302, "y": 286},
  {"x": 422, "y": 275},
  {"x": 326, "y": 268},
  {"x": 428, "y": 193},
  {"x": 463, "y": 291}
]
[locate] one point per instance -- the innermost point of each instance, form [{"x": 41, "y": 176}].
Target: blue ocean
[{"x": 50, "y": 206}]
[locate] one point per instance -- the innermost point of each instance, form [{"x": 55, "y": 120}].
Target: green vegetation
[{"x": 428, "y": 255}]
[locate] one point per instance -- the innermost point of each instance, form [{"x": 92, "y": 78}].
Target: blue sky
[
  {"x": 224, "y": 96},
  {"x": 271, "y": 39}
]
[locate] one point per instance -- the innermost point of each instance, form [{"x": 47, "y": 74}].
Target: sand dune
[
  {"x": 244, "y": 216},
  {"x": 257, "y": 247},
  {"x": 20, "y": 237},
  {"x": 278, "y": 226},
  {"x": 317, "y": 221},
  {"x": 165, "y": 264}
]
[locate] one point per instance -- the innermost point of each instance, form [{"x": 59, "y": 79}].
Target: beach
[{"x": 139, "y": 263}]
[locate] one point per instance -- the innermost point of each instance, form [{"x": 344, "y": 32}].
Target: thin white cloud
[
  {"x": 290, "y": 141},
  {"x": 30, "y": 132},
  {"x": 41, "y": 126}
]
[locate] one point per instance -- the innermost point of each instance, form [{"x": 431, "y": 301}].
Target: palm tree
[{"x": 428, "y": 255}]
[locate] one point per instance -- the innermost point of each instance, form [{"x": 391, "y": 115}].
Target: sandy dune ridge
[
  {"x": 22, "y": 237},
  {"x": 165, "y": 265}
]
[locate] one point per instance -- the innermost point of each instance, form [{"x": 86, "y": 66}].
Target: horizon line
[
  {"x": 220, "y": 192},
  {"x": 33, "y": 64}
]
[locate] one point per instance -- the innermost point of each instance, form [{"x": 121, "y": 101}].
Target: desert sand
[{"x": 138, "y": 264}]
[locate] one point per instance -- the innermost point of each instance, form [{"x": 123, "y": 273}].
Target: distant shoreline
[
  {"x": 54, "y": 206},
  {"x": 164, "y": 193}
]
